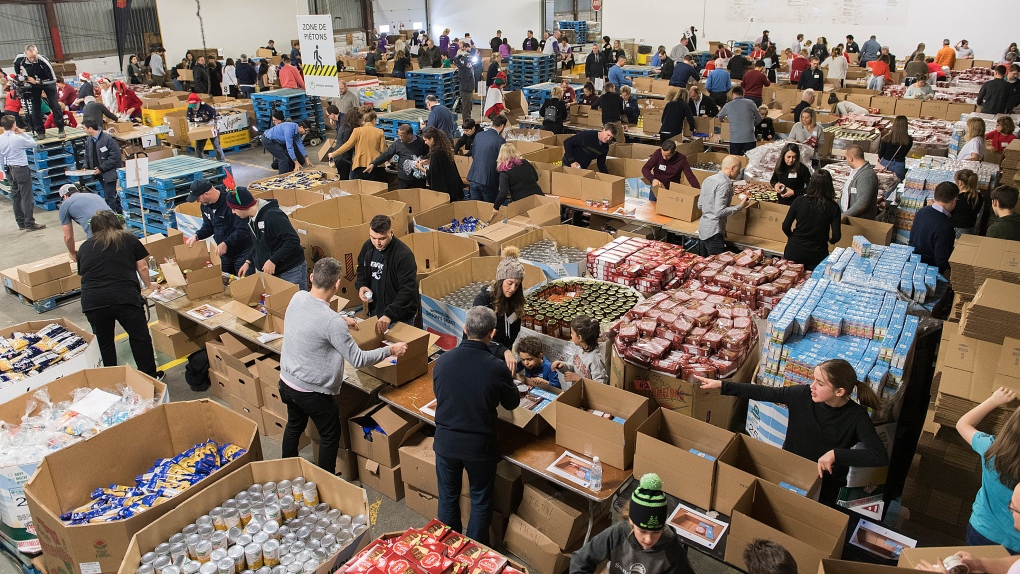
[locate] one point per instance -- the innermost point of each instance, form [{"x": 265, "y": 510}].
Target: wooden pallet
[{"x": 49, "y": 303}]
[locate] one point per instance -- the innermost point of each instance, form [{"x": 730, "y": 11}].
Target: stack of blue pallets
[
  {"x": 389, "y": 122},
  {"x": 169, "y": 184},
  {"x": 702, "y": 58},
  {"x": 635, "y": 71},
  {"x": 539, "y": 93},
  {"x": 529, "y": 69},
  {"x": 578, "y": 26},
  {"x": 745, "y": 47},
  {"x": 292, "y": 102},
  {"x": 49, "y": 161},
  {"x": 315, "y": 114},
  {"x": 441, "y": 82}
]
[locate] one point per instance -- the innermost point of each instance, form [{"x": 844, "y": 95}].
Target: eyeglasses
[{"x": 1013, "y": 509}]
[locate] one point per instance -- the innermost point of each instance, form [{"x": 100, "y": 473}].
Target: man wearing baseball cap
[
  {"x": 202, "y": 113},
  {"x": 276, "y": 248},
  {"x": 78, "y": 206},
  {"x": 233, "y": 240},
  {"x": 645, "y": 543}
]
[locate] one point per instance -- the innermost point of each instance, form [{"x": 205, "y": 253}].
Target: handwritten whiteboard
[{"x": 846, "y": 12}]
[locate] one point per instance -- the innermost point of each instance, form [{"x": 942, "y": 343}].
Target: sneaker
[
  {"x": 35, "y": 227},
  {"x": 38, "y": 136},
  {"x": 61, "y": 134},
  {"x": 160, "y": 375}
]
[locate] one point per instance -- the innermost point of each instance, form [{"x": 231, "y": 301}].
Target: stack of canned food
[
  {"x": 464, "y": 298},
  {"x": 271, "y": 528},
  {"x": 550, "y": 309},
  {"x": 547, "y": 252}
]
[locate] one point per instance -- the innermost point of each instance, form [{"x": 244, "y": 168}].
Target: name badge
[
  {"x": 662, "y": 167},
  {"x": 791, "y": 175},
  {"x": 262, "y": 225},
  {"x": 102, "y": 149}
]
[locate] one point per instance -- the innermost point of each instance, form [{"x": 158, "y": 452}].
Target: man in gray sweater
[
  {"x": 316, "y": 342},
  {"x": 743, "y": 117},
  {"x": 716, "y": 194}
]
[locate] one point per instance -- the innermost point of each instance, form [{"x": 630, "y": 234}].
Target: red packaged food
[
  {"x": 667, "y": 366},
  {"x": 628, "y": 333},
  {"x": 668, "y": 305},
  {"x": 682, "y": 326},
  {"x": 454, "y": 542},
  {"x": 707, "y": 371},
  {"x": 430, "y": 560},
  {"x": 653, "y": 314},
  {"x": 638, "y": 356},
  {"x": 667, "y": 318},
  {"x": 713, "y": 339},
  {"x": 435, "y": 530},
  {"x": 724, "y": 323},
  {"x": 729, "y": 354},
  {"x": 489, "y": 563},
  {"x": 723, "y": 367},
  {"x": 647, "y": 327},
  {"x": 742, "y": 323}
]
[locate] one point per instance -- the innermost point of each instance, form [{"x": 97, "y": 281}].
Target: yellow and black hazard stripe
[{"x": 313, "y": 70}]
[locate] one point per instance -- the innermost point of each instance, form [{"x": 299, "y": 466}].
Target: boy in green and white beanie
[{"x": 643, "y": 544}]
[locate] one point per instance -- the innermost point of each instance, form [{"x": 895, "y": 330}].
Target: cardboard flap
[
  {"x": 388, "y": 420},
  {"x": 193, "y": 257},
  {"x": 243, "y": 312},
  {"x": 173, "y": 275},
  {"x": 372, "y": 466}
]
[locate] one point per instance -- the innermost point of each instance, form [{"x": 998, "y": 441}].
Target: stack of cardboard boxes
[
  {"x": 43, "y": 279},
  {"x": 376, "y": 435}
]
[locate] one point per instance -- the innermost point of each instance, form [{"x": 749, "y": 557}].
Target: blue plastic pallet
[
  {"x": 281, "y": 94},
  {"x": 136, "y": 227},
  {"x": 44, "y": 305},
  {"x": 51, "y": 161},
  {"x": 51, "y": 205}
]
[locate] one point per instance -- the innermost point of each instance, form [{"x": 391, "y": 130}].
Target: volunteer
[
  {"x": 102, "y": 156},
  {"x": 894, "y": 147},
  {"x": 718, "y": 84},
  {"x": 110, "y": 264},
  {"x": 201, "y": 82},
  {"x": 284, "y": 143},
  {"x": 743, "y": 118},
  {"x": 134, "y": 71},
  {"x": 368, "y": 142},
  {"x": 737, "y": 65},
  {"x": 289, "y": 76},
  {"x": 970, "y": 205},
  {"x": 631, "y": 111},
  {"x": 818, "y": 218},
  {"x": 836, "y": 66},
  {"x": 78, "y": 208},
  {"x": 483, "y": 178},
  {"x": 1007, "y": 224},
  {"x": 42, "y": 79},
  {"x": 593, "y": 64},
  {"x": 806, "y": 101},
  {"x": 644, "y": 543},
  {"x": 342, "y": 161},
  {"x": 676, "y": 110},
  {"x": 441, "y": 173},
  {"x": 127, "y": 101},
  {"x": 554, "y": 111},
  {"x": 276, "y": 248},
  {"x": 505, "y": 296},
  {"x": 86, "y": 90},
  {"x": 469, "y": 128},
  {"x": 157, "y": 67},
  {"x": 233, "y": 241},
  {"x": 812, "y": 78},
  {"x": 700, "y": 105},
  {"x": 617, "y": 76},
  {"x": 683, "y": 72},
  {"x": 994, "y": 94},
  {"x": 991, "y": 518},
  {"x": 932, "y": 235},
  {"x": 14, "y": 161},
  {"x": 202, "y": 113},
  {"x": 440, "y": 116},
  {"x": 714, "y": 202},
  {"x": 95, "y": 112},
  {"x": 790, "y": 177},
  {"x": 404, "y": 150},
  {"x": 824, "y": 423},
  {"x": 493, "y": 104},
  {"x": 465, "y": 81},
  {"x": 860, "y": 192},
  {"x": 808, "y": 132},
  {"x": 469, "y": 382},
  {"x": 517, "y": 177},
  {"x": 347, "y": 101},
  {"x": 247, "y": 76},
  {"x": 667, "y": 165},
  {"x": 387, "y": 280},
  {"x": 754, "y": 82},
  {"x": 66, "y": 94},
  {"x": 590, "y": 145},
  {"x": 316, "y": 343},
  {"x": 610, "y": 104}
]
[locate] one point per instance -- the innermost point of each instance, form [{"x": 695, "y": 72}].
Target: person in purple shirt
[
  {"x": 444, "y": 42},
  {"x": 383, "y": 43}
]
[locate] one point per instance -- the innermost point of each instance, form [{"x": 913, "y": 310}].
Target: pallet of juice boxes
[
  {"x": 87, "y": 500},
  {"x": 55, "y": 415}
]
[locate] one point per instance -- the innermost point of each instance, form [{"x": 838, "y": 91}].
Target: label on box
[{"x": 90, "y": 568}]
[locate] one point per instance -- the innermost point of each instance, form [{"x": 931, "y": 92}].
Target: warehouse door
[{"x": 346, "y": 13}]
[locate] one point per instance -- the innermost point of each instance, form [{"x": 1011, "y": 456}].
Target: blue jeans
[
  {"x": 975, "y": 538},
  {"x": 479, "y": 192},
  {"x": 740, "y": 148},
  {"x": 232, "y": 263},
  {"x": 399, "y": 75},
  {"x": 247, "y": 91},
  {"x": 482, "y": 478},
  {"x": 297, "y": 275},
  {"x": 178, "y": 85}
]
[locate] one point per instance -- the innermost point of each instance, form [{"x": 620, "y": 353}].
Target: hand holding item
[
  {"x": 398, "y": 349},
  {"x": 382, "y": 324},
  {"x": 825, "y": 463}
]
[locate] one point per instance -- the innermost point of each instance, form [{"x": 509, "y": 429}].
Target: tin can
[
  {"x": 229, "y": 503},
  {"x": 359, "y": 519},
  {"x": 954, "y": 564},
  {"x": 264, "y": 569},
  {"x": 271, "y": 553},
  {"x": 271, "y": 529},
  {"x": 273, "y": 512},
  {"x": 294, "y": 568},
  {"x": 288, "y": 506},
  {"x": 145, "y": 569},
  {"x": 303, "y": 533},
  {"x": 189, "y": 530},
  {"x": 216, "y": 515},
  {"x": 205, "y": 531},
  {"x": 207, "y": 568},
  {"x": 296, "y": 488},
  {"x": 190, "y": 567},
  {"x": 219, "y": 540},
  {"x": 160, "y": 564},
  {"x": 236, "y": 553},
  {"x": 255, "y": 491},
  {"x": 178, "y": 538},
  {"x": 259, "y": 537},
  {"x": 225, "y": 566},
  {"x": 171, "y": 569},
  {"x": 345, "y": 521},
  {"x": 217, "y": 555},
  {"x": 192, "y": 542},
  {"x": 242, "y": 497},
  {"x": 253, "y": 528},
  {"x": 310, "y": 494},
  {"x": 203, "y": 551},
  {"x": 283, "y": 487},
  {"x": 327, "y": 540},
  {"x": 359, "y": 529},
  {"x": 253, "y": 556},
  {"x": 244, "y": 540},
  {"x": 231, "y": 518},
  {"x": 163, "y": 549},
  {"x": 279, "y": 569},
  {"x": 178, "y": 552},
  {"x": 258, "y": 509},
  {"x": 204, "y": 520},
  {"x": 244, "y": 512},
  {"x": 310, "y": 566},
  {"x": 149, "y": 557}
]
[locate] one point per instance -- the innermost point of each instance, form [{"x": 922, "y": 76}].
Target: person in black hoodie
[
  {"x": 553, "y": 112},
  {"x": 407, "y": 149},
  {"x": 233, "y": 241},
  {"x": 611, "y": 105},
  {"x": 469, "y": 382},
  {"x": 673, "y": 115},
  {"x": 387, "y": 280},
  {"x": 247, "y": 77},
  {"x": 666, "y": 68},
  {"x": 469, "y": 129},
  {"x": 594, "y": 64},
  {"x": 580, "y": 150},
  {"x": 276, "y": 248}
]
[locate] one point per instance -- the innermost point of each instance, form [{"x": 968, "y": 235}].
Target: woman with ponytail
[
  {"x": 505, "y": 296},
  {"x": 590, "y": 362},
  {"x": 825, "y": 423},
  {"x": 969, "y": 204}
]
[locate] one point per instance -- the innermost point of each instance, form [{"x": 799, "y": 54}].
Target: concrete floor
[{"x": 248, "y": 165}]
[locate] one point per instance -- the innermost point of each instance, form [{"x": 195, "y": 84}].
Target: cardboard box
[
  {"x": 559, "y": 515},
  {"x": 422, "y": 502},
  {"x": 273, "y": 292},
  {"x": 912, "y": 557},
  {"x": 248, "y": 410},
  {"x": 384, "y": 448},
  {"x": 934, "y": 109},
  {"x": 809, "y": 530},
  {"x": 66, "y": 478},
  {"x": 433, "y": 219},
  {"x": 17, "y": 522},
  {"x": 268, "y": 369},
  {"x": 567, "y": 181},
  {"x": 582, "y": 431},
  {"x": 908, "y": 107},
  {"x": 972, "y": 368},
  {"x": 491, "y": 239},
  {"x": 886, "y": 105},
  {"x": 564, "y": 236},
  {"x": 338, "y": 228},
  {"x": 417, "y": 461},
  {"x": 746, "y": 460},
  {"x": 439, "y": 317},
  {"x": 766, "y": 221},
  {"x": 44, "y": 271},
  {"x": 530, "y": 545},
  {"x": 680, "y": 201},
  {"x": 381, "y": 477},
  {"x": 626, "y": 168},
  {"x": 668, "y": 435},
  {"x": 89, "y": 358},
  {"x": 413, "y": 363},
  {"x": 955, "y": 111},
  {"x": 177, "y": 343},
  {"x": 191, "y": 272},
  {"x": 293, "y": 197},
  {"x": 540, "y": 210},
  {"x": 238, "y": 358},
  {"x": 417, "y": 200},
  {"x": 338, "y": 493},
  {"x": 356, "y": 186},
  {"x": 604, "y": 187},
  {"x": 274, "y": 425}
]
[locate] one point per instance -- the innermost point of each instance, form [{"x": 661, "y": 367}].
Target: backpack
[
  {"x": 196, "y": 373},
  {"x": 551, "y": 114}
]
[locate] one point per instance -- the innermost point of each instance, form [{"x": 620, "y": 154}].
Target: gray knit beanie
[{"x": 510, "y": 267}]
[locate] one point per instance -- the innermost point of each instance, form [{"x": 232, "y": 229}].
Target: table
[
  {"x": 525, "y": 121},
  {"x": 138, "y": 133},
  {"x": 530, "y": 452},
  {"x": 644, "y": 211},
  {"x": 231, "y": 324}
]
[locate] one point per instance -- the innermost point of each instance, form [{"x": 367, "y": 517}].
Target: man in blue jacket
[
  {"x": 683, "y": 72},
  {"x": 617, "y": 76},
  {"x": 469, "y": 383},
  {"x": 233, "y": 240},
  {"x": 247, "y": 77},
  {"x": 932, "y": 235},
  {"x": 284, "y": 142},
  {"x": 483, "y": 179},
  {"x": 440, "y": 117}
]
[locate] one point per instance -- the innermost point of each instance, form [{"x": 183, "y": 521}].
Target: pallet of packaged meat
[
  {"x": 646, "y": 265},
  {"x": 434, "y": 549}
]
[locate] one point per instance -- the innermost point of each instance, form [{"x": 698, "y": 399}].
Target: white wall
[
  {"x": 394, "y": 12},
  {"x": 657, "y": 22},
  {"x": 481, "y": 19},
  {"x": 235, "y": 27}
]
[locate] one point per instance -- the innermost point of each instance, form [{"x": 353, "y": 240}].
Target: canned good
[
  {"x": 359, "y": 529},
  {"x": 253, "y": 528},
  {"x": 225, "y": 566},
  {"x": 242, "y": 497},
  {"x": 327, "y": 541},
  {"x": 204, "y": 520},
  {"x": 163, "y": 549},
  {"x": 189, "y": 530},
  {"x": 236, "y": 553},
  {"x": 208, "y": 568},
  {"x": 269, "y": 488},
  {"x": 178, "y": 551},
  {"x": 294, "y": 568},
  {"x": 190, "y": 567},
  {"x": 274, "y": 512},
  {"x": 206, "y": 530},
  {"x": 203, "y": 551},
  {"x": 284, "y": 488},
  {"x": 296, "y": 488},
  {"x": 310, "y": 566},
  {"x": 322, "y": 524},
  {"x": 255, "y": 491},
  {"x": 233, "y": 534},
  {"x": 264, "y": 570},
  {"x": 219, "y": 540},
  {"x": 359, "y": 519},
  {"x": 192, "y": 542},
  {"x": 171, "y": 569},
  {"x": 271, "y": 529},
  {"x": 253, "y": 556},
  {"x": 229, "y": 503},
  {"x": 145, "y": 569},
  {"x": 244, "y": 512},
  {"x": 310, "y": 494},
  {"x": 303, "y": 510},
  {"x": 279, "y": 569},
  {"x": 297, "y": 548},
  {"x": 268, "y": 499},
  {"x": 244, "y": 540},
  {"x": 149, "y": 557},
  {"x": 178, "y": 538},
  {"x": 345, "y": 521},
  {"x": 303, "y": 533},
  {"x": 304, "y": 555},
  {"x": 160, "y": 564},
  {"x": 259, "y": 537},
  {"x": 217, "y": 555},
  {"x": 321, "y": 510},
  {"x": 271, "y": 553}
]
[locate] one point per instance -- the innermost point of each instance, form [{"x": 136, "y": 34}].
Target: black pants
[
  {"x": 714, "y": 245},
  {"x": 410, "y": 183},
  {"x": 111, "y": 196},
  {"x": 343, "y": 168},
  {"x": 232, "y": 263},
  {"x": 740, "y": 148},
  {"x": 756, "y": 100},
  {"x": 481, "y": 478},
  {"x": 38, "y": 120},
  {"x": 132, "y": 319},
  {"x": 377, "y": 174},
  {"x": 279, "y": 153},
  {"x": 321, "y": 408},
  {"x": 719, "y": 98}
]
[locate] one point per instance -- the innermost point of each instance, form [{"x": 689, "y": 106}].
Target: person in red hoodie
[
  {"x": 753, "y": 82},
  {"x": 68, "y": 118},
  {"x": 797, "y": 67},
  {"x": 127, "y": 102},
  {"x": 667, "y": 165},
  {"x": 12, "y": 106}
]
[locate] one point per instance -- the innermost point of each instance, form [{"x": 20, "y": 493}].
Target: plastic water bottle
[{"x": 596, "y": 474}]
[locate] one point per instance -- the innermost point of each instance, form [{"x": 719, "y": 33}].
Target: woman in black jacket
[
  {"x": 818, "y": 217},
  {"x": 505, "y": 296},
  {"x": 441, "y": 172},
  {"x": 554, "y": 112},
  {"x": 343, "y": 162},
  {"x": 401, "y": 63},
  {"x": 791, "y": 177},
  {"x": 673, "y": 115},
  {"x": 517, "y": 177},
  {"x": 820, "y": 50},
  {"x": 493, "y": 71}
]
